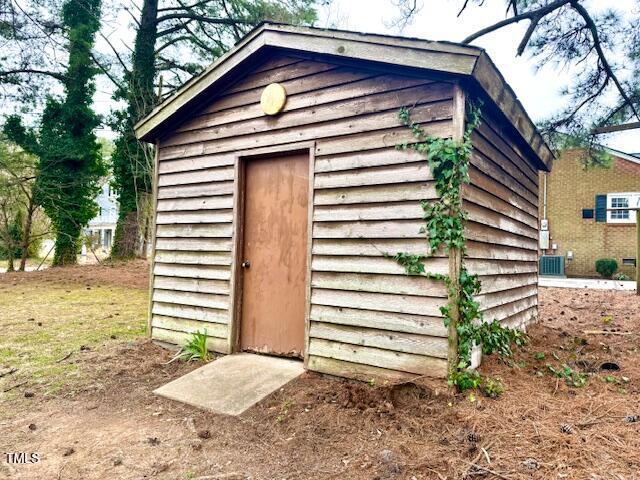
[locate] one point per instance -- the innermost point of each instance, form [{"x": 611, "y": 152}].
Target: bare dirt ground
[{"x": 561, "y": 415}]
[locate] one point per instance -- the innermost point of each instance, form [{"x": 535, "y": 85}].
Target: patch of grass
[{"x": 42, "y": 322}]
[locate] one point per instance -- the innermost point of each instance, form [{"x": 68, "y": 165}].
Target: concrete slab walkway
[
  {"x": 589, "y": 283},
  {"x": 232, "y": 384}
]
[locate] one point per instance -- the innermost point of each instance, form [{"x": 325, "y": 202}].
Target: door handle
[{"x": 245, "y": 264}]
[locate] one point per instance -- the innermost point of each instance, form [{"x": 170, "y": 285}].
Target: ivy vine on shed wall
[{"x": 444, "y": 219}]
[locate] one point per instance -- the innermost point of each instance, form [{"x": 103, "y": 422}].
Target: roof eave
[
  {"x": 196, "y": 85},
  {"x": 461, "y": 60}
]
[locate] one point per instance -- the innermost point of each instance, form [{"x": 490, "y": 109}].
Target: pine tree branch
[
  {"x": 117, "y": 54},
  {"x": 106, "y": 72},
  {"x": 603, "y": 58},
  {"x": 184, "y": 7},
  {"x": 535, "y": 16},
  {"x": 173, "y": 29},
  {"x": 530, "y": 15}
]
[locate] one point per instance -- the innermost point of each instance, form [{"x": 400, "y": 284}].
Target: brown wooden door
[{"x": 275, "y": 248}]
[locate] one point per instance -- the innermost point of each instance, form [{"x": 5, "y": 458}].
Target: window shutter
[{"x": 601, "y": 208}]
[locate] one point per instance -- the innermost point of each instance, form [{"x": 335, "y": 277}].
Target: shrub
[
  {"x": 465, "y": 379},
  {"x": 606, "y": 267},
  {"x": 492, "y": 387}
]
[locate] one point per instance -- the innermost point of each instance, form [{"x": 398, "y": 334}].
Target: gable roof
[
  {"x": 444, "y": 57},
  {"x": 630, "y": 157}
]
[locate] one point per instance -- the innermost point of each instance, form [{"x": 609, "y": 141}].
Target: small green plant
[
  {"x": 492, "y": 387},
  {"x": 621, "y": 277},
  {"x": 606, "y": 267},
  {"x": 571, "y": 377},
  {"x": 284, "y": 410},
  {"x": 540, "y": 356},
  {"x": 195, "y": 349},
  {"x": 465, "y": 379}
]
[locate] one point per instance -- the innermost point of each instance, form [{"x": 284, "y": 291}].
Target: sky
[{"x": 538, "y": 89}]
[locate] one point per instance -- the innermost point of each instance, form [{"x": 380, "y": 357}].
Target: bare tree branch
[
  {"x": 202, "y": 18},
  {"x": 33, "y": 71},
  {"x": 530, "y": 15}
]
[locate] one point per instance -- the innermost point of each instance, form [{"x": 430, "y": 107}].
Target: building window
[
  {"x": 618, "y": 205},
  {"x": 629, "y": 261},
  {"x": 587, "y": 213}
]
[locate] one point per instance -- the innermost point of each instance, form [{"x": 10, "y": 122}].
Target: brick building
[{"x": 579, "y": 202}]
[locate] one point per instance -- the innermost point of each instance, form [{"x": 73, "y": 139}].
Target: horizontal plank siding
[
  {"x": 392, "y": 321},
  {"x": 393, "y": 360},
  {"x": 197, "y": 216},
  {"x": 190, "y": 312},
  {"x": 395, "y": 284},
  {"x": 217, "y": 330},
  {"x": 193, "y": 271},
  {"x": 417, "y": 305},
  {"x": 214, "y": 344},
  {"x": 502, "y": 201},
  {"x": 191, "y": 285},
  {"x": 367, "y": 316},
  {"x": 402, "y": 342}
]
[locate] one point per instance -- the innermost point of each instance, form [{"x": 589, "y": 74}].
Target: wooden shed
[{"x": 271, "y": 229}]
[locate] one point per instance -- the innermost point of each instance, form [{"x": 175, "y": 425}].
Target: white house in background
[{"x": 104, "y": 224}]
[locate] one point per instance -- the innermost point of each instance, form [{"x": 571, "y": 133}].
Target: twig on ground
[
  {"x": 14, "y": 387},
  {"x": 65, "y": 357},
  {"x": 8, "y": 372},
  {"x": 474, "y": 462},
  {"x": 486, "y": 455},
  {"x": 440, "y": 476},
  {"x": 596, "y": 419}
]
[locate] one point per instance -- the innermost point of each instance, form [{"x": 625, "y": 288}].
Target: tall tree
[
  {"x": 70, "y": 164},
  {"x": 599, "y": 44},
  {"x": 199, "y": 31},
  {"x": 31, "y": 41},
  {"x": 22, "y": 226}
]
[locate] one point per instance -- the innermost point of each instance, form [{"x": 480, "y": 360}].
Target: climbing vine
[{"x": 444, "y": 227}]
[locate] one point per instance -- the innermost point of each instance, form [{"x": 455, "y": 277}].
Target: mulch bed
[{"x": 545, "y": 425}]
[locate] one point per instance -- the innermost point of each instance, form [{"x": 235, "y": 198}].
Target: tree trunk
[
  {"x": 133, "y": 168},
  {"x": 26, "y": 234},
  {"x": 66, "y": 246},
  {"x": 10, "y": 266},
  {"x": 126, "y": 240}
]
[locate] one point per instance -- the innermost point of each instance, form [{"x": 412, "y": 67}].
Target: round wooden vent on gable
[{"x": 273, "y": 98}]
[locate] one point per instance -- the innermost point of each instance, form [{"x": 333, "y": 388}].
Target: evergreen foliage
[
  {"x": 70, "y": 163},
  {"x": 207, "y": 29},
  {"x": 606, "y": 267},
  {"x": 444, "y": 227}
]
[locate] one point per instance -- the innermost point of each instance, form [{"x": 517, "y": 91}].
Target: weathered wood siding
[
  {"x": 366, "y": 316},
  {"x": 502, "y": 231}
]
